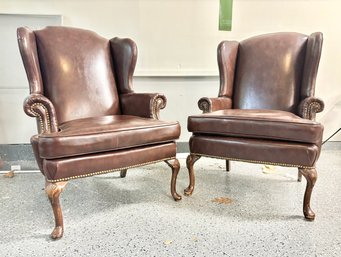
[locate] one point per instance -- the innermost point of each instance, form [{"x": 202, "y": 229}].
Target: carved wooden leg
[
  {"x": 191, "y": 159},
  {"x": 228, "y": 165},
  {"x": 123, "y": 173},
  {"x": 53, "y": 191},
  {"x": 175, "y": 165},
  {"x": 299, "y": 176},
  {"x": 311, "y": 176}
]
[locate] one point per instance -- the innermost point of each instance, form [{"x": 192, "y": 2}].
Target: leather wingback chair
[
  {"x": 265, "y": 110},
  {"x": 90, "y": 121}
]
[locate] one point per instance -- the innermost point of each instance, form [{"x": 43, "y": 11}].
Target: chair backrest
[
  {"x": 76, "y": 71},
  {"x": 276, "y": 71}
]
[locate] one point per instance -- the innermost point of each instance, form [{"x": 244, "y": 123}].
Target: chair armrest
[
  {"x": 143, "y": 104},
  {"x": 309, "y": 106},
  {"x": 37, "y": 105},
  {"x": 214, "y": 104}
]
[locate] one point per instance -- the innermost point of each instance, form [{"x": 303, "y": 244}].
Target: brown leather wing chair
[
  {"x": 90, "y": 121},
  {"x": 265, "y": 111}
]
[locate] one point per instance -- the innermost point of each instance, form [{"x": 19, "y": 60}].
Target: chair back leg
[
  {"x": 228, "y": 165},
  {"x": 123, "y": 173}
]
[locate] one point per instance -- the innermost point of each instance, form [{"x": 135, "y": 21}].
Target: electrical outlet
[{"x": 15, "y": 167}]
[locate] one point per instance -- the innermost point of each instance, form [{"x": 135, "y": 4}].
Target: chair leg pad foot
[
  {"x": 310, "y": 218},
  {"x": 177, "y": 197},
  {"x": 309, "y": 215},
  {"x": 188, "y": 191},
  {"x": 57, "y": 233}
]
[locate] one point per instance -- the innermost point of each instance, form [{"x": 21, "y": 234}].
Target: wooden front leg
[
  {"x": 191, "y": 159},
  {"x": 53, "y": 191},
  {"x": 175, "y": 165},
  {"x": 311, "y": 176}
]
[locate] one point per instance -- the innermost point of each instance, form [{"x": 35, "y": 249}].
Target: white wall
[{"x": 173, "y": 33}]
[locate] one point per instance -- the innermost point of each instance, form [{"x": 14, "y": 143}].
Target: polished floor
[{"x": 136, "y": 216}]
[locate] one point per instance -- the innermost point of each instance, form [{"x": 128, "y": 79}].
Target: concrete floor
[{"x": 136, "y": 216}]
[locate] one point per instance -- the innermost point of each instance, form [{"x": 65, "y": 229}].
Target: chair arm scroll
[
  {"x": 143, "y": 104},
  {"x": 37, "y": 105},
  {"x": 214, "y": 104},
  {"x": 309, "y": 107}
]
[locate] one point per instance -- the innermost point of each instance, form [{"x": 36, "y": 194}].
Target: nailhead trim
[
  {"x": 40, "y": 118},
  {"x": 308, "y": 109},
  {"x": 107, "y": 171},
  {"x": 157, "y": 103},
  {"x": 252, "y": 161}
]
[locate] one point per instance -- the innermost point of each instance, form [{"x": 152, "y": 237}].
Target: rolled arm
[
  {"x": 309, "y": 107},
  {"x": 37, "y": 105},
  {"x": 143, "y": 104},
  {"x": 214, "y": 104}
]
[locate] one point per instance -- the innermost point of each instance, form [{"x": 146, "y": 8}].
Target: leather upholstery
[
  {"x": 142, "y": 105},
  {"x": 270, "y": 65},
  {"x": 124, "y": 55},
  {"x": 227, "y": 58},
  {"x": 82, "y": 95},
  {"x": 105, "y": 133},
  {"x": 90, "y": 121},
  {"x": 80, "y": 64},
  {"x": 265, "y": 124},
  {"x": 265, "y": 109},
  {"x": 281, "y": 153},
  {"x": 100, "y": 163}
]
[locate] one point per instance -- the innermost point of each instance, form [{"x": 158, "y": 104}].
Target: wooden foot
[
  {"x": 53, "y": 191},
  {"x": 191, "y": 159},
  {"x": 123, "y": 173},
  {"x": 299, "y": 176},
  {"x": 175, "y": 165},
  {"x": 311, "y": 176},
  {"x": 228, "y": 163}
]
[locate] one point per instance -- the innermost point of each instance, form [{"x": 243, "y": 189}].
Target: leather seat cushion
[
  {"x": 105, "y": 133},
  {"x": 99, "y": 163},
  {"x": 280, "y": 153},
  {"x": 262, "y": 124}
]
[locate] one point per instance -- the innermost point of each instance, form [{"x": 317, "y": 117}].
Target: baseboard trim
[{"x": 332, "y": 145}]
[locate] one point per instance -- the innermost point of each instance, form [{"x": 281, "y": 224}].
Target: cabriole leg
[
  {"x": 175, "y": 165},
  {"x": 123, "y": 173},
  {"x": 311, "y": 175},
  {"x": 191, "y": 159},
  {"x": 53, "y": 191}
]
